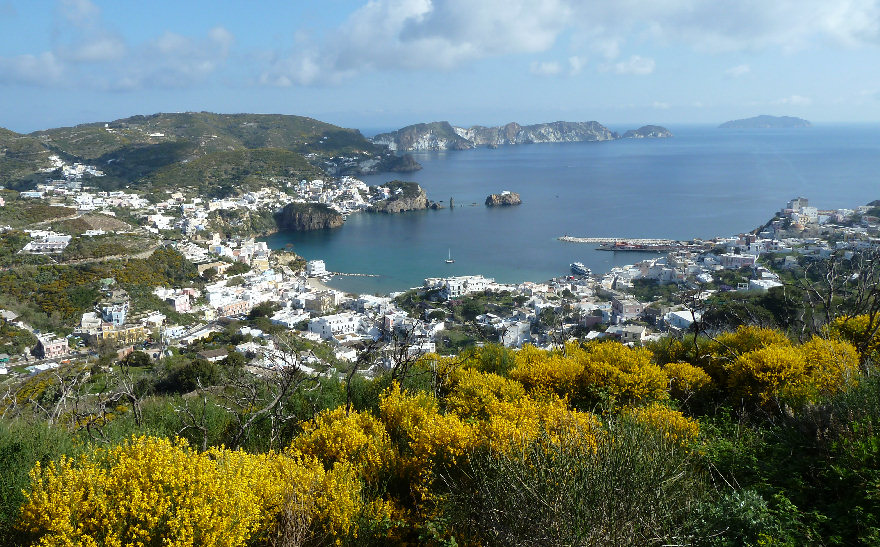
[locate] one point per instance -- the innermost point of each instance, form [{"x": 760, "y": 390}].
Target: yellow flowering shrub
[
  {"x": 582, "y": 373},
  {"x": 546, "y": 371},
  {"x": 831, "y": 364},
  {"x": 626, "y": 374},
  {"x": 858, "y": 330},
  {"x": 686, "y": 380},
  {"x": 416, "y": 420},
  {"x": 474, "y": 393},
  {"x": 671, "y": 423},
  {"x": 766, "y": 373},
  {"x": 355, "y": 438},
  {"x": 748, "y": 338},
  {"x": 817, "y": 367},
  {"x": 150, "y": 490}
]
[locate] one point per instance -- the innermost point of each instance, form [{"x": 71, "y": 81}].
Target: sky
[{"x": 383, "y": 64}]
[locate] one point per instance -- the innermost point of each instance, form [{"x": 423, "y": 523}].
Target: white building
[
  {"x": 763, "y": 285},
  {"x": 332, "y": 325},
  {"x": 455, "y": 287},
  {"x": 316, "y": 268}
]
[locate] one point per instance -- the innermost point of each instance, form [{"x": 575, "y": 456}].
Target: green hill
[
  {"x": 220, "y": 174},
  {"x": 20, "y": 156},
  {"x": 162, "y": 149}
]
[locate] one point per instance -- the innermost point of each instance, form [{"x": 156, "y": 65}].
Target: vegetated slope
[
  {"x": 208, "y": 132},
  {"x": 131, "y": 150},
  {"x": 222, "y": 173},
  {"x": 20, "y": 156}
]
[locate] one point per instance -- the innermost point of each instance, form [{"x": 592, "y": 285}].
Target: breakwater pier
[{"x": 651, "y": 245}]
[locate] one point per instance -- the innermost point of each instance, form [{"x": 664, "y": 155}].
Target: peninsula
[
  {"x": 445, "y": 136},
  {"x": 766, "y": 122}
]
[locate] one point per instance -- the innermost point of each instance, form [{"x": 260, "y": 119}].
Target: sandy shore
[{"x": 317, "y": 284}]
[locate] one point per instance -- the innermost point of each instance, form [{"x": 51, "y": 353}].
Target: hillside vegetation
[
  {"x": 745, "y": 438},
  {"x": 144, "y": 149}
]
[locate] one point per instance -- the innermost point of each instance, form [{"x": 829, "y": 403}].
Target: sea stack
[{"x": 504, "y": 199}]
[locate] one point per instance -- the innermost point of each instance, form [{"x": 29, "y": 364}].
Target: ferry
[{"x": 578, "y": 268}]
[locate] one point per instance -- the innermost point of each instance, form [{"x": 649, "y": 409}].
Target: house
[
  {"x": 51, "y": 346},
  {"x": 180, "y": 302},
  {"x": 681, "y": 319},
  {"x": 730, "y": 261},
  {"x": 626, "y": 309},
  {"x": 212, "y": 355},
  {"x": 332, "y": 325},
  {"x": 115, "y": 309},
  {"x": 455, "y": 287},
  {"x": 633, "y": 334}
]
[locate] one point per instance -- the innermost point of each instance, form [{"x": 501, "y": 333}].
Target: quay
[
  {"x": 615, "y": 240},
  {"x": 351, "y": 274},
  {"x": 644, "y": 245}
]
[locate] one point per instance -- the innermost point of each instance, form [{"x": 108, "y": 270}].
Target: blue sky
[{"x": 389, "y": 63}]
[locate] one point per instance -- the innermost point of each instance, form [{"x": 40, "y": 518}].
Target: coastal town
[{"x": 241, "y": 279}]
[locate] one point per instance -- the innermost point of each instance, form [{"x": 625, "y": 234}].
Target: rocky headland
[
  {"x": 504, "y": 199},
  {"x": 405, "y": 196},
  {"x": 444, "y": 136},
  {"x": 301, "y": 217}
]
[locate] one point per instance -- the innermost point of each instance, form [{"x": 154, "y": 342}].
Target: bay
[{"x": 703, "y": 182}]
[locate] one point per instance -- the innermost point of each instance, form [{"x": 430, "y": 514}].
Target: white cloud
[
  {"x": 43, "y": 69},
  {"x": 795, "y": 100},
  {"x": 445, "y": 34},
  {"x": 86, "y": 52},
  {"x": 576, "y": 65},
  {"x": 635, "y": 65},
  {"x": 661, "y": 105},
  {"x": 738, "y": 70},
  {"x": 546, "y": 68},
  {"x": 81, "y": 13}
]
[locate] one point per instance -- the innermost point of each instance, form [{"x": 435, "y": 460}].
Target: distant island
[
  {"x": 445, "y": 136},
  {"x": 766, "y": 122}
]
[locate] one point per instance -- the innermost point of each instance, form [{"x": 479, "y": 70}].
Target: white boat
[
  {"x": 450, "y": 260},
  {"x": 578, "y": 268}
]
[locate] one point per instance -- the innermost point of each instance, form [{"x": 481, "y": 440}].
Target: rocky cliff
[
  {"x": 504, "y": 199},
  {"x": 648, "y": 132},
  {"x": 443, "y": 136},
  {"x": 307, "y": 216},
  {"x": 424, "y": 136},
  {"x": 404, "y": 196}
]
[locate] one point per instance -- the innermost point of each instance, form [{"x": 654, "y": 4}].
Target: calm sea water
[{"x": 704, "y": 182}]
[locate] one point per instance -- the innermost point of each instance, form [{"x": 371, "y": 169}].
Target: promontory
[
  {"x": 301, "y": 217},
  {"x": 398, "y": 196},
  {"x": 445, "y": 136}
]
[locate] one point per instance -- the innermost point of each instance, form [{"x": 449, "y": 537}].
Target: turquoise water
[{"x": 704, "y": 182}]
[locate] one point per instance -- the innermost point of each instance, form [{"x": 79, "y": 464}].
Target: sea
[{"x": 701, "y": 183}]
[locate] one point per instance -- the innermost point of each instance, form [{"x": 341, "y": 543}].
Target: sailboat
[{"x": 450, "y": 260}]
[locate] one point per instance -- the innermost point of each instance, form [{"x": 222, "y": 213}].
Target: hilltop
[
  {"x": 444, "y": 136},
  {"x": 198, "y": 148},
  {"x": 766, "y": 122}
]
